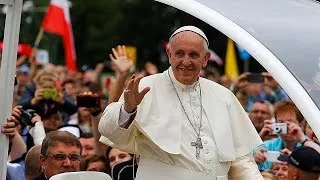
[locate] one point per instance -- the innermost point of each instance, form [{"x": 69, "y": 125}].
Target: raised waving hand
[{"x": 132, "y": 96}]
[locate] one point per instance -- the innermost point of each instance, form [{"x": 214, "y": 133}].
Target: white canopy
[
  {"x": 283, "y": 35},
  {"x": 7, "y": 71},
  {"x": 83, "y": 175}
]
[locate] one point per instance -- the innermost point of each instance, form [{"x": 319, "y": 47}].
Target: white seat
[{"x": 82, "y": 175}]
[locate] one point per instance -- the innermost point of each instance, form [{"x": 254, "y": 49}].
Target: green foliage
[
  {"x": 96, "y": 28},
  {"x": 100, "y": 25}
]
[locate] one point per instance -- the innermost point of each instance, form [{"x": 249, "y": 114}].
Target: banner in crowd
[
  {"x": 132, "y": 55},
  {"x": 57, "y": 21},
  {"x": 42, "y": 56}
]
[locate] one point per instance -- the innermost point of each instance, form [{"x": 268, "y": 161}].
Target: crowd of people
[{"x": 54, "y": 126}]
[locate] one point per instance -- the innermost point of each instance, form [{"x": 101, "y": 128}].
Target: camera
[
  {"x": 26, "y": 116},
  {"x": 89, "y": 101},
  {"x": 255, "y": 78},
  {"x": 50, "y": 93},
  {"x": 279, "y": 128}
]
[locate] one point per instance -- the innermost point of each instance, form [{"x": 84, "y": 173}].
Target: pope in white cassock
[{"x": 183, "y": 126}]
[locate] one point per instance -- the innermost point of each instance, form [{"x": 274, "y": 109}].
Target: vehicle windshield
[{"x": 283, "y": 30}]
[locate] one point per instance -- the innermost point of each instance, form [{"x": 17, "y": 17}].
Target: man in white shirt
[{"x": 183, "y": 126}]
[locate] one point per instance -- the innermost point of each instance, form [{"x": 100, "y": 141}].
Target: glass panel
[{"x": 289, "y": 28}]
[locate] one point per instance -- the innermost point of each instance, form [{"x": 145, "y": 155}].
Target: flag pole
[
  {"x": 35, "y": 46},
  {"x": 246, "y": 66},
  {"x": 38, "y": 39}
]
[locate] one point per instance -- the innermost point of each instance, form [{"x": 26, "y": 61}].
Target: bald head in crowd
[{"x": 33, "y": 165}]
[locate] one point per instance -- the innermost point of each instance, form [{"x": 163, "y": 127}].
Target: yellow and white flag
[{"x": 231, "y": 66}]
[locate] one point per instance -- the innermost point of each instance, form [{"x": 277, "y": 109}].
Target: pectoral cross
[{"x": 198, "y": 145}]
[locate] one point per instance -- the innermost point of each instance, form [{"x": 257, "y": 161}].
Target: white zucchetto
[{"x": 192, "y": 29}]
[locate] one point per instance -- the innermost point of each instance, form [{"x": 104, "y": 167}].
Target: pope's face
[{"x": 187, "y": 56}]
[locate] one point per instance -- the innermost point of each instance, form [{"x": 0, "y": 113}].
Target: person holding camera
[
  {"x": 91, "y": 102},
  {"x": 44, "y": 95},
  {"x": 30, "y": 125},
  {"x": 16, "y": 145},
  {"x": 87, "y": 102},
  {"x": 29, "y": 132},
  {"x": 288, "y": 129},
  {"x": 259, "y": 86},
  {"x": 8, "y": 129},
  {"x": 273, "y": 88},
  {"x": 17, "y": 149}
]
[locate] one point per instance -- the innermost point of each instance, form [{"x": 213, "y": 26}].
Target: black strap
[{"x": 304, "y": 141}]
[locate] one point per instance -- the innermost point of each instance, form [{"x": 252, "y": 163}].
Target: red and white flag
[
  {"x": 57, "y": 21},
  {"x": 215, "y": 58}
]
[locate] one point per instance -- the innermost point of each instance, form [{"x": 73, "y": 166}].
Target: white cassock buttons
[{"x": 207, "y": 151}]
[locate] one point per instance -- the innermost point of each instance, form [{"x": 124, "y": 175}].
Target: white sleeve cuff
[
  {"x": 124, "y": 116},
  {"x": 38, "y": 133}
]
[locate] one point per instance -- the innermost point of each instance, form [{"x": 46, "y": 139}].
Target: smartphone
[
  {"x": 255, "y": 78},
  {"x": 50, "y": 93},
  {"x": 272, "y": 156},
  {"x": 88, "y": 101}
]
